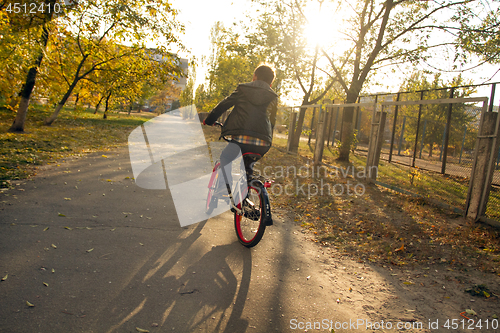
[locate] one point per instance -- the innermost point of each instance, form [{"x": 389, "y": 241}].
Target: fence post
[
  {"x": 394, "y": 128},
  {"x": 375, "y": 143},
  {"x": 487, "y": 145},
  {"x": 320, "y": 138},
  {"x": 418, "y": 128},
  {"x": 423, "y": 138},
  {"x": 447, "y": 136},
  {"x": 462, "y": 147},
  {"x": 336, "y": 121},
  {"x": 401, "y": 137},
  {"x": 291, "y": 130},
  {"x": 312, "y": 126}
]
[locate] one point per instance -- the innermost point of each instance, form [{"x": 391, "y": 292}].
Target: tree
[
  {"x": 373, "y": 34},
  {"x": 479, "y": 32},
  {"x": 96, "y": 29},
  {"x": 229, "y": 64},
  {"x": 166, "y": 97},
  {"x": 186, "y": 97},
  {"x": 281, "y": 39},
  {"x": 29, "y": 21},
  {"x": 201, "y": 99},
  {"x": 435, "y": 116}
]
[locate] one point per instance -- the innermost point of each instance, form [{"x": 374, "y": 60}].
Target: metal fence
[{"x": 433, "y": 144}]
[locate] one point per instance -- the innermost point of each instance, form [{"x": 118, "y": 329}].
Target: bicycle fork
[{"x": 234, "y": 209}]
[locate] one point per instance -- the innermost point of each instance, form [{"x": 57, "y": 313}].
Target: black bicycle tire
[{"x": 262, "y": 224}]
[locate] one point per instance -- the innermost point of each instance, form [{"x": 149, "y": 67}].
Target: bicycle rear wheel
[
  {"x": 250, "y": 225},
  {"x": 212, "y": 186}
]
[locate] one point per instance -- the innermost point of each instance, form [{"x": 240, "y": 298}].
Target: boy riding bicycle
[{"x": 250, "y": 124}]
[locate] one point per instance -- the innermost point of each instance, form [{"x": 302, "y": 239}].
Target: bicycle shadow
[{"x": 185, "y": 289}]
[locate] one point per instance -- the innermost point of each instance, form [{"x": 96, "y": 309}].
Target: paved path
[{"x": 95, "y": 253}]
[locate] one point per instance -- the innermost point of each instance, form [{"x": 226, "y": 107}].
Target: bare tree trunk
[
  {"x": 105, "y": 115},
  {"x": 22, "y": 111},
  {"x": 347, "y": 125},
  {"x": 298, "y": 129},
  {"x": 63, "y": 101},
  {"x": 76, "y": 100},
  {"x": 130, "y": 108},
  {"x": 60, "y": 105},
  {"x": 98, "y": 104}
]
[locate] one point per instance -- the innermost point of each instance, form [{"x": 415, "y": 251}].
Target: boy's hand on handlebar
[{"x": 214, "y": 124}]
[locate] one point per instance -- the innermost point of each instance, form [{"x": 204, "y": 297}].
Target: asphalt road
[{"x": 93, "y": 252}]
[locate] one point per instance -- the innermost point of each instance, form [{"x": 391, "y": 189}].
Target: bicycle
[{"x": 252, "y": 210}]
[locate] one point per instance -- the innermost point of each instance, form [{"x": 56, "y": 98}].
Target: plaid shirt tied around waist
[{"x": 249, "y": 140}]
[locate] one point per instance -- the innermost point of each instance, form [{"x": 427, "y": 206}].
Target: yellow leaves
[
  {"x": 61, "y": 215},
  {"x": 90, "y": 250},
  {"x": 141, "y": 330},
  {"x": 5, "y": 277},
  {"x": 30, "y": 304},
  {"x": 54, "y": 246}
]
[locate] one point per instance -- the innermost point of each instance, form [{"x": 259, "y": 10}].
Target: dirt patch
[{"x": 393, "y": 257}]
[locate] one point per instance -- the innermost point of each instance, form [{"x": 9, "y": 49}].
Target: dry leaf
[
  {"x": 68, "y": 228},
  {"x": 45, "y": 284},
  {"x": 402, "y": 248},
  {"x": 29, "y": 304},
  {"x": 46, "y": 229},
  {"x": 61, "y": 215},
  {"x": 68, "y": 199},
  {"x": 55, "y": 247},
  {"x": 141, "y": 330},
  {"x": 5, "y": 277},
  {"x": 92, "y": 249},
  {"x": 471, "y": 312}
]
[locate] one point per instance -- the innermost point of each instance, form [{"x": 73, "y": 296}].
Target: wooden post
[
  {"x": 418, "y": 130},
  {"x": 394, "y": 128},
  {"x": 320, "y": 138},
  {"x": 447, "y": 133},
  {"x": 291, "y": 130},
  {"x": 311, "y": 127},
  {"x": 483, "y": 166},
  {"x": 375, "y": 145}
]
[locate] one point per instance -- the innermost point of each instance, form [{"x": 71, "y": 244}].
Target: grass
[
  {"x": 387, "y": 227},
  {"x": 378, "y": 225},
  {"x": 441, "y": 189},
  {"x": 74, "y": 132}
]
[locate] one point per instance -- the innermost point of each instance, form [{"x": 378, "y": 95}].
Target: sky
[{"x": 199, "y": 16}]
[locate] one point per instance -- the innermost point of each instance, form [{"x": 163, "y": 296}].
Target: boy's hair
[{"x": 264, "y": 73}]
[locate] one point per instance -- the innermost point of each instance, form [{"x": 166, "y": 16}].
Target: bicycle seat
[{"x": 252, "y": 156}]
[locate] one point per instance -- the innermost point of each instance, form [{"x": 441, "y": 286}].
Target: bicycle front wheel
[{"x": 250, "y": 225}]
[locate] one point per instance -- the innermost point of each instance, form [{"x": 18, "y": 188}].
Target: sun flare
[{"x": 320, "y": 28}]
